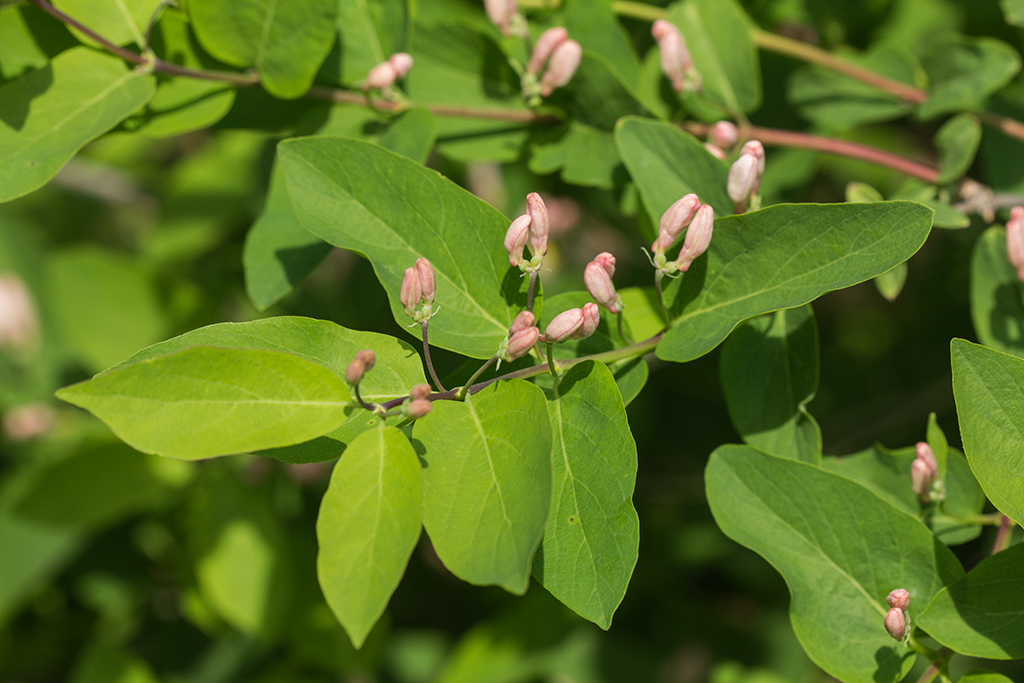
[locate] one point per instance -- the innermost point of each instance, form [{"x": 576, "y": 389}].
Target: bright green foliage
[
  {"x": 47, "y": 115},
  {"x": 980, "y": 614},
  {"x": 988, "y": 387},
  {"x": 717, "y": 33},
  {"x": 957, "y": 142},
  {"x": 591, "y": 542},
  {"x": 781, "y": 257},
  {"x": 205, "y": 401},
  {"x": 769, "y": 369},
  {"x": 368, "y": 526},
  {"x": 119, "y": 21},
  {"x": 936, "y": 440},
  {"x": 997, "y": 296},
  {"x": 397, "y": 369},
  {"x": 982, "y": 676},
  {"x": 583, "y": 155},
  {"x": 1013, "y": 10},
  {"x": 284, "y": 41},
  {"x": 593, "y": 24},
  {"x": 487, "y": 482},
  {"x": 963, "y": 71},
  {"x": 841, "y": 549},
  {"x": 368, "y": 33},
  {"x": 108, "y": 663},
  {"x": 360, "y": 197}
]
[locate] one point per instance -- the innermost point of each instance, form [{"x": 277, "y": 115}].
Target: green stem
[
  {"x": 622, "y": 336},
  {"x": 637, "y": 10},
  {"x": 1003, "y": 536},
  {"x": 980, "y": 520},
  {"x": 551, "y": 363},
  {"x": 930, "y": 674},
  {"x": 426, "y": 356},
  {"x": 658, "y": 276},
  {"x": 531, "y": 290},
  {"x": 476, "y": 375}
]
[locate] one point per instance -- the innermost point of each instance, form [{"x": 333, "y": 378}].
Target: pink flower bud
[
  {"x": 515, "y": 239},
  {"x": 599, "y": 284},
  {"x": 925, "y": 454},
  {"x": 896, "y": 623},
  {"x": 540, "y": 225},
  {"x": 591, "y": 319},
  {"x": 416, "y": 408},
  {"x": 419, "y": 391},
  {"x": 380, "y": 77},
  {"x": 899, "y": 598},
  {"x": 715, "y": 151},
  {"x": 676, "y": 63},
  {"x": 28, "y": 422},
  {"x": 607, "y": 261},
  {"x": 401, "y": 62},
  {"x": 1015, "y": 240},
  {"x": 354, "y": 372},
  {"x": 545, "y": 46},
  {"x": 724, "y": 134},
  {"x": 522, "y": 321},
  {"x": 921, "y": 479},
  {"x": 368, "y": 358},
  {"x": 19, "y": 322},
  {"x": 428, "y": 283},
  {"x": 563, "y": 64},
  {"x": 742, "y": 179},
  {"x": 674, "y": 220},
  {"x": 520, "y": 343},
  {"x": 563, "y": 325},
  {"x": 698, "y": 237},
  {"x": 756, "y": 150},
  {"x": 410, "y": 293},
  {"x": 500, "y": 13}
]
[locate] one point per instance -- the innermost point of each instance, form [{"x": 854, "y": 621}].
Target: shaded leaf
[
  {"x": 997, "y": 297},
  {"x": 963, "y": 71},
  {"x": 368, "y": 33},
  {"x": 583, "y": 155},
  {"x": 957, "y": 142},
  {"x": 890, "y": 283}
]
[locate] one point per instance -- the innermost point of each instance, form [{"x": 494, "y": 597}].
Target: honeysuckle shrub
[{"x": 470, "y": 294}]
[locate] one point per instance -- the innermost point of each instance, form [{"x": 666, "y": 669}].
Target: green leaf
[
  {"x": 979, "y": 615},
  {"x": 205, "y": 401},
  {"x": 592, "y": 538},
  {"x": 368, "y": 526},
  {"x": 935, "y": 199},
  {"x": 964, "y": 71},
  {"x": 1013, "y": 11},
  {"x": 103, "y": 303},
  {"x": 984, "y": 676},
  {"x": 937, "y": 442},
  {"x": 837, "y": 102},
  {"x": 119, "y": 21},
  {"x": 47, "y": 115},
  {"x": 487, "y": 482},
  {"x": 284, "y": 41},
  {"x": 822, "y": 533},
  {"x": 583, "y": 155},
  {"x": 957, "y": 142},
  {"x": 358, "y": 196},
  {"x": 717, "y": 33},
  {"x": 594, "y": 25},
  {"x": 595, "y": 96},
  {"x": 103, "y": 662},
  {"x": 890, "y": 283},
  {"x": 667, "y": 163},
  {"x": 997, "y": 297},
  {"x": 41, "y": 548},
  {"x": 769, "y": 368},
  {"x": 782, "y": 257},
  {"x": 989, "y": 390},
  {"x": 368, "y": 33},
  {"x": 887, "y": 473},
  {"x": 29, "y": 38},
  {"x": 398, "y": 367}
]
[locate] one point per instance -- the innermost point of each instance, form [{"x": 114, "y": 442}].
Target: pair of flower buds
[
  {"x": 531, "y": 228},
  {"x": 686, "y": 212},
  {"x": 924, "y": 475},
  {"x": 419, "y": 285},
  {"x": 523, "y": 334},
  {"x": 553, "y": 48},
  {"x": 416, "y": 406},
  {"x": 896, "y": 618},
  {"x": 676, "y": 63},
  {"x": 386, "y": 73}
]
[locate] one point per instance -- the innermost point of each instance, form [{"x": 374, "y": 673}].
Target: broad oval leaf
[
  {"x": 840, "y": 548},
  {"x": 989, "y": 390},
  {"x": 398, "y": 367},
  {"x": 368, "y": 33},
  {"x": 997, "y": 295},
  {"x": 368, "y": 526},
  {"x": 957, "y": 142},
  {"x": 487, "y": 482},
  {"x": 769, "y": 369},
  {"x": 592, "y": 538},
  {"x": 782, "y": 257},
  {"x": 284, "y": 41},
  {"x": 984, "y": 676},
  {"x": 980, "y": 615},
  {"x": 963, "y": 71},
  {"x": 48, "y": 114},
  {"x": 119, "y": 21},
  {"x": 359, "y": 196},
  {"x": 206, "y": 401}
]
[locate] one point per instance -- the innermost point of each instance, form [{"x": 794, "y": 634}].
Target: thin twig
[
  {"x": 476, "y": 376},
  {"x": 426, "y": 355},
  {"x": 530, "y": 291},
  {"x": 1003, "y": 536}
]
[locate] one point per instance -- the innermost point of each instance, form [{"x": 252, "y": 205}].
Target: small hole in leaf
[{"x": 572, "y": 520}]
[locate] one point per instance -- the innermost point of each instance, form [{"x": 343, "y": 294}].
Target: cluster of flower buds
[
  {"x": 522, "y": 336},
  {"x": 924, "y": 475},
  {"x": 418, "y": 404},
  {"x": 505, "y": 15},
  {"x": 1015, "y": 240},
  {"x": 676, "y": 62},
  {"x": 576, "y": 323},
  {"x": 745, "y": 176},
  {"x": 562, "y": 57},
  {"x": 19, "y": 323},
  {"x": 386, "y": 73},
  {"x": 360, "y": 365},
  {"x": 533, "y": 228},
  {"x": 721, "y": 138},
  {"x": 686, "y": 212},
  {"x": 597, "y": 276},
  {"x": 896, "y": 620},
  {"x": 418, "y": 288}
]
